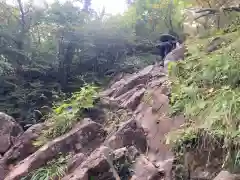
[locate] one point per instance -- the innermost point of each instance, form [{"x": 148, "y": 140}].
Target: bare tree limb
[
  {"x": 203, "y": 15},
  {"x": 22, "y": 14},
  {"x": 207, "y": 10},
  {"x": 213, "y": 11}
]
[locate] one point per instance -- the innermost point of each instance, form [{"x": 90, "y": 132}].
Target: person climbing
[
  {"x": 166, "y": 44},
  {"x": 164, "y": 48}
]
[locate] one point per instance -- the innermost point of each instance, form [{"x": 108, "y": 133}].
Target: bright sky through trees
[{"x": 111, "y": 6}]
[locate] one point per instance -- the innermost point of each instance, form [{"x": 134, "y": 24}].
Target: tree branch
[
  {"x": 22, "y": 14},
  {"x": 212, "y": 11},
  {"x": 203, "y": 15},
  {"x": 237, "y": 9}
]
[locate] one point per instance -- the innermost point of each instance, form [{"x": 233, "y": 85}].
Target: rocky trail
[{"x": 129, "y": 146}]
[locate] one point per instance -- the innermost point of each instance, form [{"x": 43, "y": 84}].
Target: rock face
[
  {"x": 9, "y": 131},
  {"x": 150, "y": 114},
  {"x": 132, "y": 149}
]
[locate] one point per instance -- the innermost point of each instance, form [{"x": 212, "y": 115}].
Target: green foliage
[
  {"x": 60, "y": 42},
  {"x": 205, "y": 88},
  {"x": 34, "y": 47},
  {"x": 68, "y": 113},
  {"x": 5, "y": 67},
  {"x": 234, "y": 26},
  {"x": 156, "y": 16},
  {"x": 54, "y": 169}
]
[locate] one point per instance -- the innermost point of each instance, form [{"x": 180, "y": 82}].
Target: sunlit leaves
[
  {"x": 157, "y": 16},
  {"x": 66, "y": 114}
]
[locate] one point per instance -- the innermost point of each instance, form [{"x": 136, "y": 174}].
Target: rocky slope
[{"x": 130, "y": 147}]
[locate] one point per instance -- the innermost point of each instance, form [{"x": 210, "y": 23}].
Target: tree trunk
[{"x": 65, "y": 56}]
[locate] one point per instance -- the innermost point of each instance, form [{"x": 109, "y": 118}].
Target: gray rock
[
  {"x": 85, "y": 137},
  {"x": 9, "y": 131},
  {"x": 225, "y": 175},
  {"x": 175, "y": 55}
]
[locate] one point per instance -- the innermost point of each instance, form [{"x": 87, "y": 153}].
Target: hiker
[{"x": 166, "y": 44}]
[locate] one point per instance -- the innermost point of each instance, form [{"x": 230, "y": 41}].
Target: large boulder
[
  {"x": 128, "y": 92},
  {"x": 9, "y": 131},
  {"x": 141, "y": 77},
  {"x": 22, "y": 148},
  {"x": 104, "y": 164},
  {"x": 131, "y": 99},
  {"x": 75, "y": 161},
  {"x": 130, "y": 133},
  {"x": 225, "y": 175},
  {"x": 175, "y": 55},
  {"x": 24, "y": 145},
  {"x": 96, "y": 166},
  {"x": 3, "y": 170},
  {"x": 85, "y": 137},
  {"x": 215, "y": 44},
  {"x": 144, "y": 169}
]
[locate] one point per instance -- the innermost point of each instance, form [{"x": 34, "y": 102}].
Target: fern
[{"x": 68, "y": 113}]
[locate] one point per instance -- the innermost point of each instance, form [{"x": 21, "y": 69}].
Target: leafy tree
[
  {"x": 218, "y": 10},
  {"x": 54, "y": 49},
  {"x": 154, "y": 17}
]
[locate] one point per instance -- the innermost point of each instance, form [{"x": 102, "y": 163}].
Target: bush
[{"x": 68, "y": 113}]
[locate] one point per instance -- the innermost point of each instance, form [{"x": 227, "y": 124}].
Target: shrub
[{"x": 68, "y": 113}]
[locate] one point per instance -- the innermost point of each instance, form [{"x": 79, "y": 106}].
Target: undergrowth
[
  {"x": 206, "y": 89},
  {"x": 67, "y": 113},
  {"x": 54, "y": 169}
]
